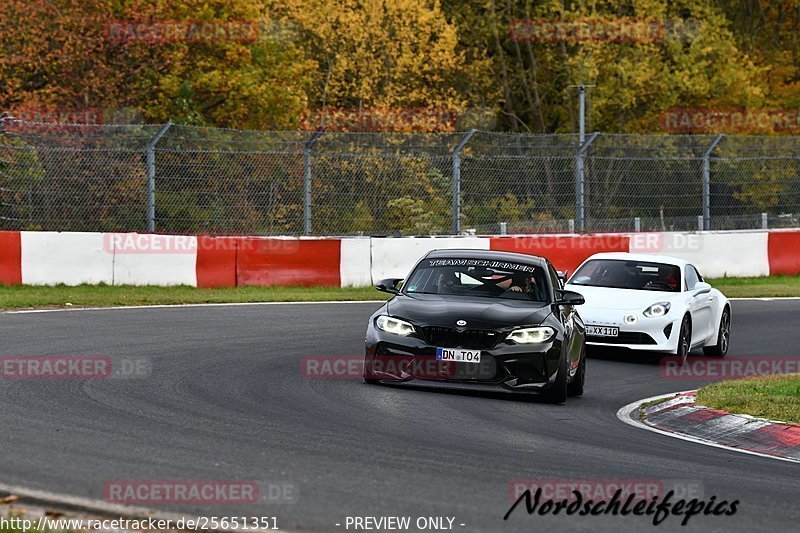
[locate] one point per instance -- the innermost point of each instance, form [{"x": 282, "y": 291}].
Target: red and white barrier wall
[{"x": 49, "y": 258}]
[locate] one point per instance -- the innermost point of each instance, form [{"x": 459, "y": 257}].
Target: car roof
[
  {"x": 650, "y": 258},
  {"x": 476, "y": 253}
]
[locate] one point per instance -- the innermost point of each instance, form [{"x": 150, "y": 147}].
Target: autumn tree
[
  {"x": 694, "y": 59},
  {"x": 111, "y": 53},
  {"x": 384, "y": 54},
  {"x": 54, "y": 53}
]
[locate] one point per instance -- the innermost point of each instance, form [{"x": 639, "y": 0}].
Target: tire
[
  {"x": 723, "y": 336},
  {"x": 557, "y": 392},
  {"x": 575, "y": 388},
  {"x": 684, "y": 339}
]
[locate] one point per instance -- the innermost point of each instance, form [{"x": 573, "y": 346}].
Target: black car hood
[{"x": 480, "y": 313}]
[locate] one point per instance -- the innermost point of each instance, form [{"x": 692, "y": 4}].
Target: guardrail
[{"x": 49, "y": 258}]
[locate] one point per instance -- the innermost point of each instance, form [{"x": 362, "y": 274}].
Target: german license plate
[
  {"x": 602, "y": 331},
  {"x": 458, "y": 355}
]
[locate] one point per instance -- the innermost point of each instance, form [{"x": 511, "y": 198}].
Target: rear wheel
[
  {"x": 685, "y": 339},
  {"x": 557, "y": 392},
  {"x": 575, "y": 388},
  {"x": 723, "y": 336}
]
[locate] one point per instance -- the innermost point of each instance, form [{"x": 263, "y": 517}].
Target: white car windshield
[{"x": 627, "y": 274}]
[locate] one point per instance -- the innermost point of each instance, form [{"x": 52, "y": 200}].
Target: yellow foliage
[{"x": 378, "y": 53}]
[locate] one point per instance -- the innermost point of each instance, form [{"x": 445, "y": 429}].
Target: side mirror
[
  {"x": 701, "y": 287},
  {"x": 569, "y": 298},
  {"x": 389, "y": 285}
]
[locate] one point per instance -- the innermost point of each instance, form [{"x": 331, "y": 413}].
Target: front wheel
[
  {"x": 723, "y": 336},
  {"x": 685, "y": 339},
  {"x": 557, "y": 392},
  {"x": 575, "y": 388}
]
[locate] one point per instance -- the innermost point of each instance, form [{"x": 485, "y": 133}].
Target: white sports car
[{"x": 651, "y": 302}]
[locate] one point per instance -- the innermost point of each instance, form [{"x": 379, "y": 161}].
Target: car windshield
[
  {"x": 479, "y": 277},
  {"x": 625, "y": 274}
]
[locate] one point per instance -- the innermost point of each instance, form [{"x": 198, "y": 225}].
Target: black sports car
[{"x": 479, "y": 320}]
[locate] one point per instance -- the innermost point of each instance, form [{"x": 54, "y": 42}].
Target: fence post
[
  {"x": 707, "y": 182},
  {"x": 580, "y": 183},
  {"x": 307, "y": 180},
  {"x": 151, "y": 176},
  {"x": 455, "y": 227}
]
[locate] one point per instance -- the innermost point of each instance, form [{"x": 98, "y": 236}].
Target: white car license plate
[
  {"x": 457, "y": 355},
  {"x": 602, "y": 331}
]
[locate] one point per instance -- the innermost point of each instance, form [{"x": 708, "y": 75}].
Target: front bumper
[
  {"x": 652, "y": 334},
  {"x": 506, "y": 367}
]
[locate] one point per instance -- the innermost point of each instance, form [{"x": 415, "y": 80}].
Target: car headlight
[
  {"x": 531, "y": 335},
  {"x": 657, "y": 310},
  {"x": 394, "y": 325}
]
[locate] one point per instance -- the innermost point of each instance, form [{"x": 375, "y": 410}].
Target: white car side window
[{"x": 691, "y": 277}]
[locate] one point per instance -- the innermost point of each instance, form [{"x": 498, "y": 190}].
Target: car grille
[
  {"x": 452, "y": 338},
  {"x": 624, "y": 337}
]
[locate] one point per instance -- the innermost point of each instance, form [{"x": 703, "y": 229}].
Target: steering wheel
[{"x": 659, "y": 283}]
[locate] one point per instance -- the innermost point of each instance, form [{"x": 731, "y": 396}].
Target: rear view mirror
[
  {"x": 569, "y": 298},
  {"x": 389, "y": 285},
  {"x": 482, "y": 273},
  {"x": 701, "y": 287}
]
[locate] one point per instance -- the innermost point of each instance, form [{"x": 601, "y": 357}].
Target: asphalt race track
[{"x": 226, "y": 399}]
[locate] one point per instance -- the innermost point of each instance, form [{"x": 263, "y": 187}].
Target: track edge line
[{"x": 624, "y": 415}]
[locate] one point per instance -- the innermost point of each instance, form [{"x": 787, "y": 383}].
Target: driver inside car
[
  {"x": 445, "y": 282},
  {"x": 615, "y": 277},
  {"x": 666, "y": 276},
  {"x": 521, "y": 282}
]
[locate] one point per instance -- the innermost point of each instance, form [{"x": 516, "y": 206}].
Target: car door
[
  {"x": 701, "y": 306},
  {"x": 573, "y": 327}
]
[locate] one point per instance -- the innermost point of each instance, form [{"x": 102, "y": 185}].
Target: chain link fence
[{"x": 180, "y": 179}]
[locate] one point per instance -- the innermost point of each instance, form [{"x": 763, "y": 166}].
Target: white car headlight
[
  {"x": 657, "y": 310},
  {"x": 394, "y": 325},
  {"x": 531, "y": 335}
]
